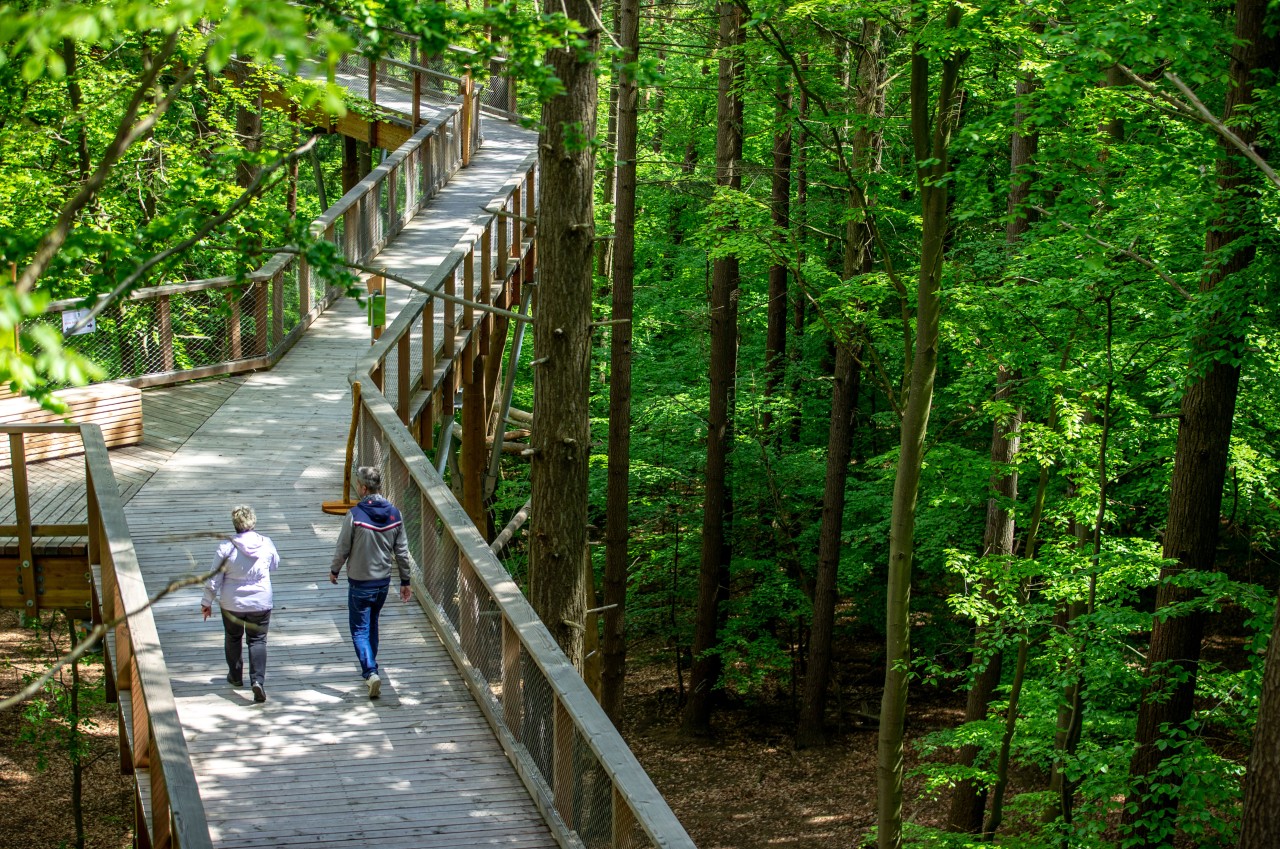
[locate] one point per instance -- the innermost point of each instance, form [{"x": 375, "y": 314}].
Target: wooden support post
[
  {"x": 417, "y": 100},
  {"x": 161, "y": 815},
  {"x": 141, "y": 720},
  {"x": 474, "y": 417},
  {"x": 469, "y": 290},
  {"x": 466, "y": 88},
  {"x": 166, "y": 332},
  {"x": 503, "y": 252},
  {"x": 530, "y": 201},
  {"x": 260, "y": 318},
  {"x": 26, "y": 576},
  {"x": 404, "y": 370},
  {"x": 350, "y": 164},
  {"x": 449, "y": 344},
  {"x": 517, "y": 231},
  {"x": 277, "y": 308}
]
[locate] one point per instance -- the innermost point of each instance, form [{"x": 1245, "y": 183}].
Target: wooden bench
[{"x": 114, "y": 407}]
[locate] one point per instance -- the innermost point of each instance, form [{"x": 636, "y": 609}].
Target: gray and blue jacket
[{"x": 371, "y": 540}]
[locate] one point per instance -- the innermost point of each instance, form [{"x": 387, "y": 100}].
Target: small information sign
[{"x": 71, "y": 318}]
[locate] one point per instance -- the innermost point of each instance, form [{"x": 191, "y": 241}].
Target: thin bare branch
[
  {"x": 258, "y": 187},
  {"x": 98, "y": 632},
  {"x": 1136, "y": 257}
]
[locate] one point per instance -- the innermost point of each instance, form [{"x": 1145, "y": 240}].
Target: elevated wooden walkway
[
  {"x": 319, "y": 763},
  {"x": 483, "y": 735}
]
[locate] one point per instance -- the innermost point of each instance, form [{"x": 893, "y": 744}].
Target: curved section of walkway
[{"x": 319, "y": 763}]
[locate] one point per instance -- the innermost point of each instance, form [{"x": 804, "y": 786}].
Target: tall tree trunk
[
  {"x": 931, "y": 137},
  {"x": 614, "y": 644},
  {"x": 76, "y": 98},
  {"x": 864, "y": 159},
  {"x": 562, "y": 339},
  {"x": 969, "y": 800},
  {"x": 1260, "y": 822},
  {"x": 713, "y": 567},
  {"x": 604, "y": 247},
  {"x": 775, "y": 345},
  {"x": 810, "y": 730},
  {"x": 802, "y": 218},
  {"x": 1200, "y": 461}
]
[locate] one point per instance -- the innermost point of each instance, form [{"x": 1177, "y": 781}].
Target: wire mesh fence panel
[
  {"x": 592, "y": 795},
  {"x": 390, "y": 371},
  {"x": 292, "y": 297},
  {"x": 401, "y": 177},
  {"x": 383, "y": 209},
  {"x": 200, "y": 328}
]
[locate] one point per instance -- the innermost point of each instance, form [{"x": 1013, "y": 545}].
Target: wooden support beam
[
  {"x": 474, "y": 418},
  {"x": 25, "y": 573}
]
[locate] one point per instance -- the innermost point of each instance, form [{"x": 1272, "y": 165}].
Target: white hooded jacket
[{"x": 244, "y": 586}]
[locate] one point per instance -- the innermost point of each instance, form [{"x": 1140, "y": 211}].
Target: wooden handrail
[
  {"x": 462, "y": 573},
  {"x": 154, "y": 742}
]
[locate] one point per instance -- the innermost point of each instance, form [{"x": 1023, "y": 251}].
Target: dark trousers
[
  {"x": 364, "y": 604},
  {"x": 250, "y": 627}
]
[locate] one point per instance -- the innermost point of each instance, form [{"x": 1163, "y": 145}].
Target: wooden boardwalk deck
[{"x": 318, "y": 763}]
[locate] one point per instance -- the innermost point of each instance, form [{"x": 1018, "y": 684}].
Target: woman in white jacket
[{"x": 242, "y": 584}]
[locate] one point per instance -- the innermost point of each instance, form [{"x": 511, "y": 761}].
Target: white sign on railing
[{"x": 72, "y": 318}]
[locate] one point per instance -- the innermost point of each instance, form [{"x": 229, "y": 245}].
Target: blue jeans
[{"x": 364, "y": 603}]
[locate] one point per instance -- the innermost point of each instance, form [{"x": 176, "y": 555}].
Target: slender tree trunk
[
  {"x": 931, "y": 136},
  {"x": 864, "y": 159},
  {"x": 801, "y": 217},
  {"x": 605, "y": 247},
  {"x": 775, "y": 345},
  {"x": 74, "y": 745},
  {"x": 1260, "y": 822},
  {"x": 1200, "y": 460},
  {"x": 969, "y": 800},
  {"x": 713, "y": 569},
  {"x": 614, "y": 644},
  {"x": 562, "y": 339},
  {"x": 844, "y": 392},
  {"x": 76, "y": 98}
]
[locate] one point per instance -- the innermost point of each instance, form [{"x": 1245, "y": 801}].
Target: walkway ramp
[{"x": 320, "y": 762}]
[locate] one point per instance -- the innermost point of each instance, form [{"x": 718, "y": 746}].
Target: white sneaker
[{"x": 374, "y": 684}]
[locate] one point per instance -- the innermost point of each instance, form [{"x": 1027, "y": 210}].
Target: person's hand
[
  {"x": 333, "y": 579},
  {"x": 207, "y": 611},
  {"x": 406, "y": 593}
]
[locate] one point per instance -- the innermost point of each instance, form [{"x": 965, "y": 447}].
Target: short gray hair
[
  {"x": 369, "y": 478},
  {"x": 243, "y": 517}
]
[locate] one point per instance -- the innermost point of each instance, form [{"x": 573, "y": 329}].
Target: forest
[{"x": 927, "y": 353}]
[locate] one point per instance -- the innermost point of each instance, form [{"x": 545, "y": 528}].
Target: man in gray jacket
[{"x": 372, "y": 538}]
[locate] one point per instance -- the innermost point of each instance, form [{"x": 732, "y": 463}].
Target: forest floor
[{"x": 745, "y": 788}]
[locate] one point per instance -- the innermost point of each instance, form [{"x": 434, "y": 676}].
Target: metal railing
[
  {"x": 168, "y": 334},
  {"x": 167, "y": 800},
  {"x": 581, "y": 774}
]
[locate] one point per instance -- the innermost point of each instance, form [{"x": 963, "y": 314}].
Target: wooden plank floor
[
  {"x": 170, "y": 415},
  {"x": 319, "y": 763}
]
